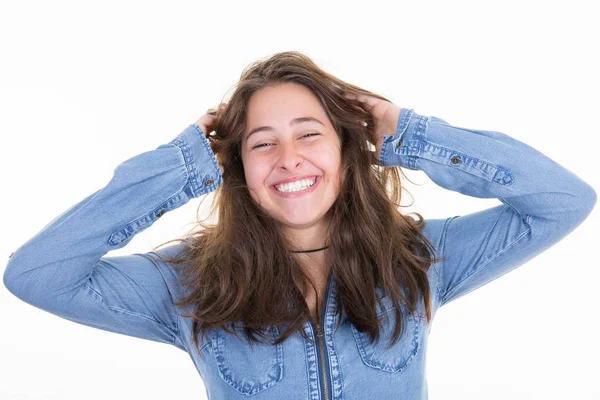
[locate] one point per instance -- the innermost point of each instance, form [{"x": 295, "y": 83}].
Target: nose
[{"x": 289, "y": 157}]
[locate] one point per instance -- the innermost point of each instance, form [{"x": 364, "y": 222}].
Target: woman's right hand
[{"x": 207, "y": 122}]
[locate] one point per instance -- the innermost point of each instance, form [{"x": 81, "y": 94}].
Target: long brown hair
[{"x": 239, "y": 269}]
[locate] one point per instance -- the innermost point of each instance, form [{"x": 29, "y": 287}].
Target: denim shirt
[{"x": 64, "y": 269}]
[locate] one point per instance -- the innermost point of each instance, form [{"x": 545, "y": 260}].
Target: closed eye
[{"x": 267, "y": 144}]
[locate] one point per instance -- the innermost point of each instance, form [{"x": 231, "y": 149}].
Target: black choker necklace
[{"x": 308, "y": 251}]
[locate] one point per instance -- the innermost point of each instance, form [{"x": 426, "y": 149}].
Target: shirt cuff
[{"x": 392, "y": 150}]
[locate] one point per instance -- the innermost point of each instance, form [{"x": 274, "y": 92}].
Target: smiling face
[{"x": 288, "y": 137}]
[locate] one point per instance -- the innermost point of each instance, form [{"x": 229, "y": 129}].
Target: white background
[{"x": 87, "y": 85}]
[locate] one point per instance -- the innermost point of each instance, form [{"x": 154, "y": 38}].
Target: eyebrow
[{"x": 295, "y": 121}]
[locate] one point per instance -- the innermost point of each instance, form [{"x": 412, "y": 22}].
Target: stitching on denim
[
  {"x": 388, "y": 140},
  {"x": 422, "y": 125},
  {"x": 192, "y": 178},
  {"x": 416, "y": 343},
  {"x": 223, "y": 367},
  {"x": 405, "y": 122},
  {"x": 492, "y": 257},
  {"x": 135, "y": 314},
  {"x": 382, "y": 152},
  {"x": 363, "y": 343},
  {"x": 503, "y": 200},
  {"x": 279, "y": 348},
  {"x": 443, "y": 250},
  {"x": 168, "y": 289},
  {"x": 94, "y": 290},
  {"x": 151, "y": 215},
  {"x": 211, "y": 156},
  {"x": 121, "y": 310},
  {"x": 203, "y": 347},
  {"x": 413, "y": 148},
  {"x": 306, "y": 362},
  {"x": 307, "y": 349},
  {"x": 331, "y": 315},
  {"x": 495, "y": 166}
]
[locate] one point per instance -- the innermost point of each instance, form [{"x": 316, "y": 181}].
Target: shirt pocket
[
  {"x": 401, "y": 354},
  {"x": 248, "y": 369}
]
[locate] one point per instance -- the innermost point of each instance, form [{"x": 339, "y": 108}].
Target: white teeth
[{"x": 296, "y": 186}]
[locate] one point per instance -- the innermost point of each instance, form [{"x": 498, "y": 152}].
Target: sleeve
[
  {"x": 542, "y": 202},
  {"x": 63, "y": 268}
]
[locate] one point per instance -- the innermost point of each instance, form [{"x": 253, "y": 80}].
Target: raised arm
[
  {"x": 62, "y": 269},
  {"x": 542, "y": 201}
]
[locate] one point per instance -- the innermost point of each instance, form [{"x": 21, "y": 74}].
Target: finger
[
  {"x": 355, "y": 103},
  {"x": 209, "y": 120},
  {"x": 367, "y": 102},
  {"x": 358, "y": 108}
]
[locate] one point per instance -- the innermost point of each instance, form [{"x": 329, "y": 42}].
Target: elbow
[
  {"x": 585, "y": 200},
  {"x": 13, "y": 280},
  {"x": 589, "y": 200},
  {"x": 8, "y": 278}
]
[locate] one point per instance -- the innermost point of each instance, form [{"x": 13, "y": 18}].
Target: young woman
[{"x": 312, "y": 284}]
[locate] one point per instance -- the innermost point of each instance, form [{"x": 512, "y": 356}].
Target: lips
[
  {"x": 294, "y": 179},
  {"x": 298, "y": 193}
]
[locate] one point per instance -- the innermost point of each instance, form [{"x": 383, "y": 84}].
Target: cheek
[
  {"x": 332, "y": 165},
  {"x": 256, "y": 174},
  {"x": 252, "y": 181},
  {"x": 337, "y": 178}
]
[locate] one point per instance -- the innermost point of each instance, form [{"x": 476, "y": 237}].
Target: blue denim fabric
[{"x": 63, "y": 268}]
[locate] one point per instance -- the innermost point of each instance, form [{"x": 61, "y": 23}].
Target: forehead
[{"x": 280, "y": 104}]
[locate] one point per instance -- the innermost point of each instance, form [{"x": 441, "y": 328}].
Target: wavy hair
[{"x": 240, "y": 271}]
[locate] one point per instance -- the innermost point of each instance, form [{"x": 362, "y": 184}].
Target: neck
[
  {"x": 311, "y": 239},
  {"x": 309, "y": 251},
  {"x": 314, "y": 265}
]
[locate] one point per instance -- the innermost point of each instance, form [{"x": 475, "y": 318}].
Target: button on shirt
[{"x": 64, "y": 269}]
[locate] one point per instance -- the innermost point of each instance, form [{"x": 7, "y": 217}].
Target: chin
[{"x": 299, "y": 221}]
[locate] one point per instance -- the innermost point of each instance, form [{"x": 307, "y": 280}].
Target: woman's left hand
[{"x": 384, "y": 113}]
